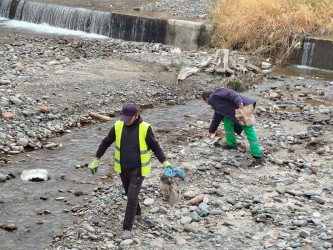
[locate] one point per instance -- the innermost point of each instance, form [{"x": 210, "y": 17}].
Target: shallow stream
[{"x": 21, "y": 202}]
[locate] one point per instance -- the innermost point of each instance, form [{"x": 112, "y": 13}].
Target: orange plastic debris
[{"x": 313, "y": 170}]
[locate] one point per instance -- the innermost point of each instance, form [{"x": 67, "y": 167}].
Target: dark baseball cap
[{"x": 128, "y": 111}]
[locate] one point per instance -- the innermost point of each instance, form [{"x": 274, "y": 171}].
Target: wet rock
[
  {"x": 10, "y": 227},
  {"x": 149, "y": 223}
]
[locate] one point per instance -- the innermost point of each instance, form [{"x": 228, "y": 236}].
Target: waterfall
[
  {"x": 90, "y": 21},
  {"x": 114, "y": 25},
  {"x": 308, "y": 50},
  {"x": 4, "y": 8}
]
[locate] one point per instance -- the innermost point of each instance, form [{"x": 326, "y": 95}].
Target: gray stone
[
  {"x": 216, "y": 212},
  {"x": 15, "y": 100},
  {"x": 318, "y": 199},
  {"x": 325, "y": 236},
  {"x": 204, "y": 213},
  {"x": 219, "y": 193},
  {"x": 203, "y": 206},
  {"x": 327, "y": 245},
  {"x": 81, "y": 231},
  {"x": 167, "y": 235},
  {"x": 218, "y": 166},
  {"x": 185, "y": 220},
  {"x": 148, "y": 201},
  {"x": 304, "y": 234},
  {"x": 231, "y": 200},
  {"x": 300, "y": 223},
  {"x": 89, "y": 228},
  {"x": 163, "y": 210},
  {"x": 311, "y": 193},
  {"x": 228, "y": 223},
  {"x": 127, "y": 242},
  {"x": 155, "y": 210},
  {"x": 22, "y": 142},
  {"x": 109, "y": 235},
  {"x": 281, "y": 189},
  {"x": 93, "y": 236},
  {"x": 282, "y": 244},
  {"x": 194, "y": 216},
  {"x": 149, "y": 223}
]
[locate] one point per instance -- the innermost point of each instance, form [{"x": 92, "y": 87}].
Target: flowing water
[
  {"x": 308, "y": 50},
  {"x": 304, "y": 71},
  {"x": 131, "y": 28}
]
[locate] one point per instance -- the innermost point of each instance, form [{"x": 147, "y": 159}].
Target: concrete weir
[
  {"x": 187, "y": 35},
  {"x": 315, "y": 52}
]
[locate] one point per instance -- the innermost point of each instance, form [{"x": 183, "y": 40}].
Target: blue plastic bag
[{"x": 172, "y": 172}]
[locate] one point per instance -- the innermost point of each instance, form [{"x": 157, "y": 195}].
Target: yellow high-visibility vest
[{"x": 145, "y": 153}]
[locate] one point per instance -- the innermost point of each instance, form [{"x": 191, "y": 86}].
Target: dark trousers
[{"x": 132, "y": 181}]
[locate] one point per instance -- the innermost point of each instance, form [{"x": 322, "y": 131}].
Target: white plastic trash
[
  {"x": 266, "y": 65},
  {"x": 34, "y": 175}
]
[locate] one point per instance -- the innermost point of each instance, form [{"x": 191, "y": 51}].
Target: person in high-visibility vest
[
  {"x": 134, "y": 142},
  {"x": 225, "y": 102}
]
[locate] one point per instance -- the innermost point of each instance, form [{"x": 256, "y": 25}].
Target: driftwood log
[{"x": 223, "y": 63}]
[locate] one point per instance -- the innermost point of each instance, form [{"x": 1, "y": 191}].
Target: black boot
[
  {"x": 256, "y": 162},
  {"x": 226, "y": 146}
]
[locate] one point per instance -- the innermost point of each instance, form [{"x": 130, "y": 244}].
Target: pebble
[
  {"x": 127, "y": 242},
  {"x": 148, "y": 201}
]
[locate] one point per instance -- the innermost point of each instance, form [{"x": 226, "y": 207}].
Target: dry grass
[{"x": 266, "y": 25}]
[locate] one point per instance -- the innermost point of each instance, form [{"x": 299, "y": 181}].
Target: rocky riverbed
[{"x": 48, "y": 87}]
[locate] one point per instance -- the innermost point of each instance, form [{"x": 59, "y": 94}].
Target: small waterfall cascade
[
  {"x": 114, "y": 25},
  {"x": 308, "y": 51},
  {"x": 64, "y": 17},
  {"x": 4, "y": 8}
]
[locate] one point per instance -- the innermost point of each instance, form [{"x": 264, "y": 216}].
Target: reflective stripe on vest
[{"x": 145, "y": 153}]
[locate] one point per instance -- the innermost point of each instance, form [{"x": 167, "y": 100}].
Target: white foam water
[
  {"x": 304, "y": 67},
  {"x": 47, "y": 29}
]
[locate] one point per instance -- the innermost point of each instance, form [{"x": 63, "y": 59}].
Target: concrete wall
[
  {"x": 187, "y": 35},
  {"x": 315, "y": 52},
  {"x": 183, "y": 34}
]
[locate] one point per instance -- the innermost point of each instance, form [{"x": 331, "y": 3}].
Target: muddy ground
[{"x": 284, "y": 204}]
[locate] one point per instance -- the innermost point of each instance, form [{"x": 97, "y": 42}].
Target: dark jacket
[
  {"x": 225, "y": 102},
  {"x": 129, "y": 145}
]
